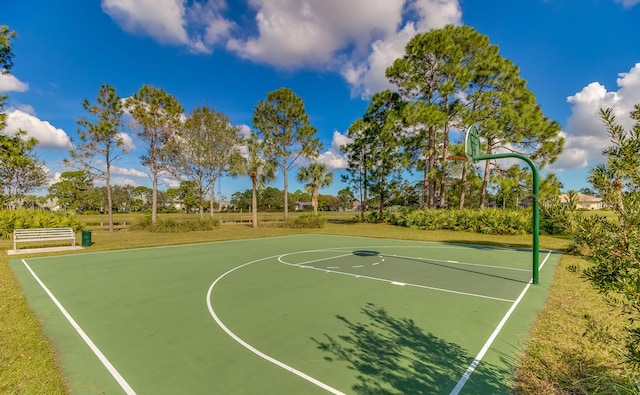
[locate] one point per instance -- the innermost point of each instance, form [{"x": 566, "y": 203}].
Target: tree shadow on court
[{"x": 392, "y": 355}]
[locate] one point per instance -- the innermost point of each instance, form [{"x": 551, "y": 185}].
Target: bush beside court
[{"x": 576, "y": 345}]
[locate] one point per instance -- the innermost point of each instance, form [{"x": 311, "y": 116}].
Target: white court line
[
  {"x": 112, "y": 370},
  {"x": 463, "y": 380},
  {"x": 320, "y": 260},
  {"x": 461, "y": 263},
  {"x": 255, "y": 350},
  {"x": 391, "y": 281}
]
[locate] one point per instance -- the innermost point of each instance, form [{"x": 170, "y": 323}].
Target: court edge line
[
  {"x": 255, "y": 350},
  {"x": 467, "y": 374},
  {"x": 112, "y": 370}
]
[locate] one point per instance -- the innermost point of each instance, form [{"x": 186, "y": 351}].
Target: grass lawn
[{"x": 576, "y": 345}]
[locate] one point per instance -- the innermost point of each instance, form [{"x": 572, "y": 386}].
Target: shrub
[
  {"x": 35, "y": 218},
  {"x": 489, "y": 221},
  {"x": 172, "y": 226},
  {"x": 306, "y": 221}
]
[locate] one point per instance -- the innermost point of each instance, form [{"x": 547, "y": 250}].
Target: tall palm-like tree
[
  {"x": 260, "y": 171},
  {"x": 316, "y": 176}
]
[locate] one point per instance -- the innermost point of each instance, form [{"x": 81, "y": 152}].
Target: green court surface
[{"x": 307, "y": 314}]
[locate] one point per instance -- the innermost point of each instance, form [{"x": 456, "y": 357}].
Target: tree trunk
[
  {"x": 286, "y": 193},
  {"x": 485, "y": 184},
  {"x": 314, "y": 198},
  {"x": 425, "y": 187},
  {"x": 109, "y": 201},
  {"x": 443, "y": 178},
  {"x": 382, "y": 186},
  {"x": 463, "y": 185},
  {"x": 432, "y": 160},
  {"x": 211, "y": 197},
  {"x": 154, "y": 196},
  {"x": 364, "y": 201},
  {"x": 254, "y": 203}
]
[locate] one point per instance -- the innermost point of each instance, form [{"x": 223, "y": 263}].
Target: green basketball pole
[{"x": 472, "y": 144}]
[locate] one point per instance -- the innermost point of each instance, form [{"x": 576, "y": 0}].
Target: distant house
[
  {"x": 301, "y": 206},
  {"x": 585, "y": 202}
]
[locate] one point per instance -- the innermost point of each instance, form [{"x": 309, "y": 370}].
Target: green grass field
[{"x": 426, "y": 310}]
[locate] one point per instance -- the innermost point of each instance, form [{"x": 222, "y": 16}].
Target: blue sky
[{"x": 577, "y": 56}]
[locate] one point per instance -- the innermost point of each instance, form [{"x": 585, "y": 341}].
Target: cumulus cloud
[
  {"x": 168, "y": 180},
  {"x": 127, "y": 142},
  {"x": 585, "y": 134},
  {"x": 197, "y": 25},
  {"x": 333, "y": 158},
  {"x": 57, "y": 177},
  {"x": 9, "y": 83},
  {"x": 124, "y": 181},
  {"x": 337, "y": 35},
  {"x": 120, "y": 171},
  {"x": 310, "y": 33},
  {"x": 358, "y": 38},
  {"x": 48, "y": 136}
]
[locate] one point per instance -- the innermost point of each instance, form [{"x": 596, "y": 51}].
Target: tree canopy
[
  {"x": 283, "y": 125},
  {"x": 157, "y": 116},
  {"x": 101, "y": 144}
]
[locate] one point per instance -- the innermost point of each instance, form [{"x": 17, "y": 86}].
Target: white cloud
[
  {"x": 333, "y": 158},
  {"x": 123, "y": 181},
  {"x": 293, "y": 34},
  {"x": 358, "y": 38},
  {"x": 245, "y": 131},
  {"x": 368, "y": 75},
  {"x": 26, "y": 108},
  {"x": 9, "y": 83},
  {"x": 196, "y": 25},
  {"x": 339, "y": 36},
  {"x": 47, "y": 135},
  {"x": 127, "y": 142},
  {"x": 120, "y": 171},
  {"x": 586, "y": 136},
  {"x": 57, "y": 177}
]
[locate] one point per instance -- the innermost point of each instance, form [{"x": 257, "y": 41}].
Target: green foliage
[
  {"x": 316, "y": 175},
  {"x": 614, "y": 247},
  {"x": 287, "y": 135},
  {"x": 306, "y": 221},
  {"x": 34, "y": 218},
  {"x": 558, "y": 218},
  {"x": 21, "y": 171},
  {"x": 207, "y": 149},
  {"x": 157, "y": 116},
  {"x": 442, "y": 66},
  {"x": 6, "y": 62},
  {"x": 489, "y": 221},
  {"x": 173, "y": 226}
]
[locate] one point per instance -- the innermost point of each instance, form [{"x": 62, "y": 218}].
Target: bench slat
[{"x": 43, "y": 234}]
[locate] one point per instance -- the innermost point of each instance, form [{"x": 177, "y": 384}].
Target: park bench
[{"x": 43, "y": 234}]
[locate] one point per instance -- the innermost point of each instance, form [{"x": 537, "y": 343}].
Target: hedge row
[
  {"x": 33, "y": 218},
  {"x": 489, "y": 221}
]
